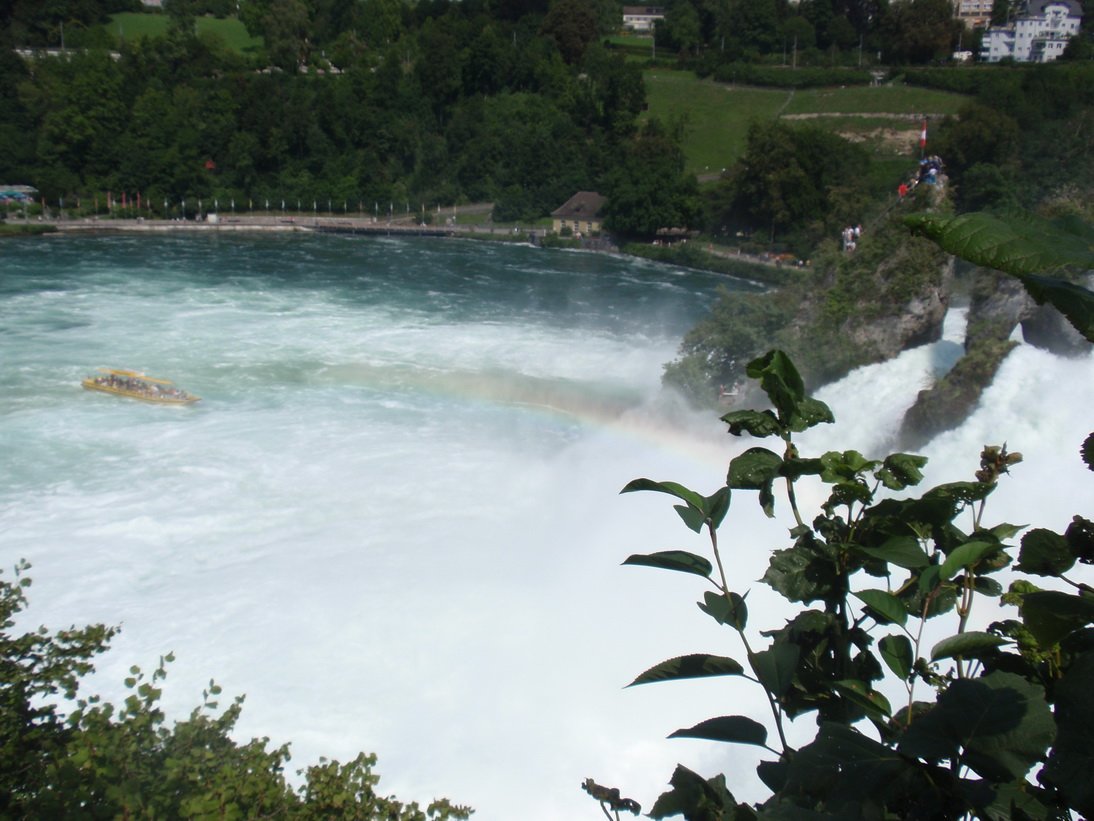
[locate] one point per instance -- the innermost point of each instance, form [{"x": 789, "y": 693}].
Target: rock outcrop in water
[
  {"x": 849, "y": 308},
  {"x": 999, "y": 305},
  {"x": 890, "y": 295}
]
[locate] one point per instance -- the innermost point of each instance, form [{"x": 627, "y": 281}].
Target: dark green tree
[
  {"x": 920, "y": 31},
  {"x": 681, "y": 29},
  {"x": 648, "y": 190},
  {"x": 795, "y": 178},
  {"x": 798, "y": 33},
  {"x": 573, "y": 25},
  {"x": 755, "y": 24},
  {"x": 977, "y": 136}
]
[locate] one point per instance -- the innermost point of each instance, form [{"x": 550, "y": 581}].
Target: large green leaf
[
  {"x": 884, "y": 607},
  {"x": 695, "y": 665},
  {"x": 780, "y": 380},
  {"x": 733, "y": 729},
  {"x": 966, "y": 555},
  {"x": 959, "y": 493},
  {"x": 776, "y": 666},
  {"x": 896, "y": 652},
  {"x": 753, "y": 469},
  {"x": 800, "y": 574},
  {"x": 873, "y": 703},
  {"x": 901, "y": 470},
  {"x": 810, "y": 412},
  {"x": 756, "y": 469},
  {"x": 1024, "y": 248},
  {"x": 755, "y": 423},
  {"x": 1072, "y": 759},
  {"x": 679, "y": 560},
  {"x": 1080, "y": 539},
  {"x": 844, "y": 767},
  {"x": 716, "y": 506},
  {"x": 696, "y": 798},
  {"x": 903, "y": 551},
  {"x": 1051, "y": 615},
  {"x": 847, "y": 465},
  {"x": 999, "y": 725},
  {"x": 698, "y": 509},
  {"x": 692, "y": 498},
  {"x": 730, "y": 610},
  {"x": 1005, "y": 802},
  {"x": 1020, "y": 245},
  {"x": 970, "y": 645},
  {"x": 1044, "y": 553}
]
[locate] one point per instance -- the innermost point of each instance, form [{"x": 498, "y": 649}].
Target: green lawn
[
  {"x": 895, "y": 99},
  {"x": 131, "y": 25},
  {"x": 717, "y": 115}
]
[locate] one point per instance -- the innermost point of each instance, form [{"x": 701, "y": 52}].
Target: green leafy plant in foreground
[
  {"x": 106, "y": 761},
  {"x": 977, "y": 713}
]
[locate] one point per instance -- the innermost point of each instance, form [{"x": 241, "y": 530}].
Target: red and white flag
[{"x": 923, "y": 134}]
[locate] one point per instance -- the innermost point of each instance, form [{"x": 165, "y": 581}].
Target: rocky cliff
[{"x": 998, "y": 306}]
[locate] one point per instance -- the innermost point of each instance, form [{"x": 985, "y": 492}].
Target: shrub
[{"x": 106, "y": 761}]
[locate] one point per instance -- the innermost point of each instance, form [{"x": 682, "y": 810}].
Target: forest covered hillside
[{"x": 378, "y": 103}]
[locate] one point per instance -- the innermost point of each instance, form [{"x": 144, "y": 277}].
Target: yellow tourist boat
[{"x": 138, "y": 386}]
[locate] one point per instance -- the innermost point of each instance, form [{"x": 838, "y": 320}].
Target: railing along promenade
[{"x": 252, "y": 223}]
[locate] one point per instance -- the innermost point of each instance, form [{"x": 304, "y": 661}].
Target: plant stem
[
  {"x": 963, "y": 612},
  {"x": 793, "y": 501},
  {"x": 1077, "y": 585},
  {"x": 775, "y": 712},
  {"x": 718, "y": 559},
  {"x": 744, "y": 639},
  {"x": 791, "y": 452}
]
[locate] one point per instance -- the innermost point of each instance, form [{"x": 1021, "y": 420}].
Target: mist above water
[{"x": 393, "y": 522}]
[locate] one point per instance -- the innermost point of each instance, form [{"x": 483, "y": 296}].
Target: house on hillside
[
  {"x": 642, "y": 18},
  {"x": 580, "y": 214},
  {"x": 973, "y": 13},
  {"x": 1039, "y": 35}
]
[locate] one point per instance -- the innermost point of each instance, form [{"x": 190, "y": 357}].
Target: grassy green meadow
[
  {"x": 889, "y": 99},
  {"x": 132, "y": 25},
  {"x": 717, "y": 116}
]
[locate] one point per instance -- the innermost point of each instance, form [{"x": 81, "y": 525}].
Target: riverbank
[
  {"x": 249, "y": 223},
  {"x": 691, "y": 255}
]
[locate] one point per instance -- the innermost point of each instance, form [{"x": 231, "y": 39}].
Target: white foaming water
[{"x": 393, "y": 522}]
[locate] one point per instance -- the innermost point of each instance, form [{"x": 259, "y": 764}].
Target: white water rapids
[{"x": 393, "y": 522}]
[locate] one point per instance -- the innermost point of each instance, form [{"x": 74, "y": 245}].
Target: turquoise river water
[{"x": 393, "y": 520}]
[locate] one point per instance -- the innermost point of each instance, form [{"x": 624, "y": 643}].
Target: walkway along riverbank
[
  {"x": 258, "y": 224},
  {"x": 717, "y": 259}
]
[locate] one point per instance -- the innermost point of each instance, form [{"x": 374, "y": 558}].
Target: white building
[
  {"x": 641, "y": 18},
  {"x": 1039, "y": 35}
]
